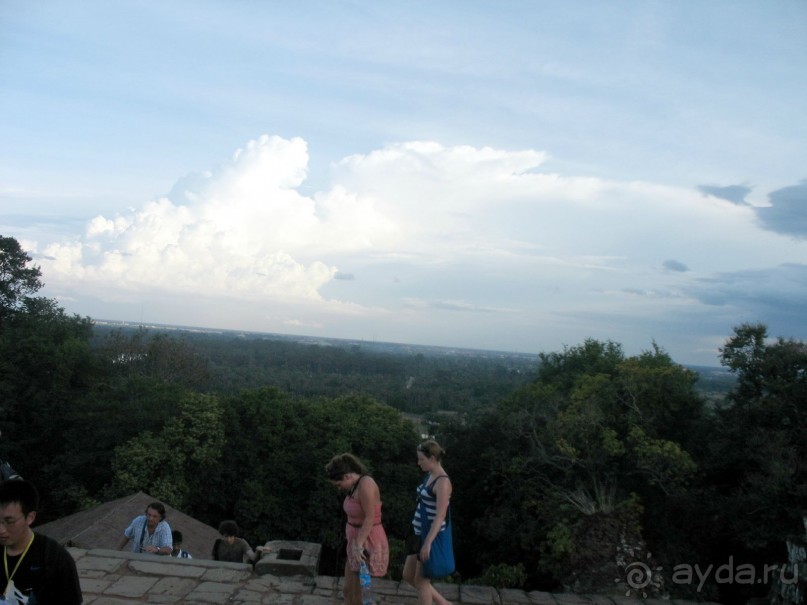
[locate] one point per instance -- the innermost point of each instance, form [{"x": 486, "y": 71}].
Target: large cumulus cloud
[
  {"x": 414, "y": 238},
  {"x": 242, "y": 230}
]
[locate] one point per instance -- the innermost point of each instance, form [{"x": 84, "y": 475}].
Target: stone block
[
  {"x": 385, "y": 587},
  {"x": 104, "y": 600},
  {"x": 290, "y": 558},
  {"x": 294, "y": 585},
  {"x": 563, "y": 598},
  {"x": 177, "y": 587},
  {"x": 625, "y": 600},
  {"x": 325, "y": 583},
  {"x": 166, "y": 599},
  {"x": 449, "y": 591},
  {"x": 513, "y": 596},
  {"x": 263, "y": 583},
  {"x": 247, "y": 597},
  {"x": 311, "y": 599},
  {"x": 131, "y": 586},
  {"x": 100, "y": 564},
  {"x": 538, "y": 597},
  {"x": 158, "y": 568},
  {"x": 226, "y": 574},
  {"x": 94, "y": 585},
  {"x": 279, "y": 599},
  {"x": 211, "y": 592},
  {"x": 478, "y": 595},
  {"x": 398, "y": 600},
  {"x": 406, "y": 590}
]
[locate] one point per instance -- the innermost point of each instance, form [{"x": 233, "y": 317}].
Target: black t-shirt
[{"x": 46, "y": 576}]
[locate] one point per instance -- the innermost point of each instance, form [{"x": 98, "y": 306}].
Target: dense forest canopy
[
  {"x": 412, "y": 379},
  {"x": 568, "y": 467}
]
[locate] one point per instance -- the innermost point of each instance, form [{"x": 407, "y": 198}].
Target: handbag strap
[{"x": 143, "y": 532}]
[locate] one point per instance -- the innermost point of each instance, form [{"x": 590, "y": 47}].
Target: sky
[{"x": 504, "y": 175}]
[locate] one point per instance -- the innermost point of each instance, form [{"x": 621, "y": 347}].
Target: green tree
[
  {"x": 751, "y": 495},
  {"x": 765, "y": 480},
  {"x": 160, "y": 357},
  {"x": 18, "y": 281},
  {"x": 172, "y": 465},
  {"x": 47, "y": 367},
  {"x": 576, "y": 454},
  {"x": 271, "y": 479}
]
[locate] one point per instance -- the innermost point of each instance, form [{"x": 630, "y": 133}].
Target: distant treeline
[{"x": 417, "y": 380}]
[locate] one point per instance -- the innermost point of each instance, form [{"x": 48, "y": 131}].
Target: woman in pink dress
[{"x": 366, "y": 538}]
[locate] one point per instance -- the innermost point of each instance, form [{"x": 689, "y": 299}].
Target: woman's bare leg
[
  {"x": 413, "y": 574},
  {"x": 351, "y": 587}
]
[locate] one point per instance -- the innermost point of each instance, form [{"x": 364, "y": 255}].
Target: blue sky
[{"x": 504, "y": 175}]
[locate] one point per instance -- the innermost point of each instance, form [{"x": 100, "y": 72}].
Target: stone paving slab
[
  {"x": 476, "y": 595},
  {"x": 571, "y": 599},
  {"x": 603, "y": 600},
  {"x": 279, "y": 599},
  {"x": 119, "y": 578},
  {"x": 541, "y": 598},
  {"x": 510, "y": 596}
]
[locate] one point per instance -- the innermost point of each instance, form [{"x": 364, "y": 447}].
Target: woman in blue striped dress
[{"x": 435, "y": 493}]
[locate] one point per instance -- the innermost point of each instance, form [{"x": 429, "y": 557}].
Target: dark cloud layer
[
  {"x": 733, "y": 193},
  {"x": 674, "y": 265},
  {"x": 787, "y": 213},
  {"x": 777, "y": 295}
]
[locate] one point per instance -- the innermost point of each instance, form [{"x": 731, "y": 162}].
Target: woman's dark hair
[
  {"x": 432, "y": 449},
  {"x": 228, "y": 528},
  {"x": 158, "y": 506},
  {"x": 342, "y": 464}
]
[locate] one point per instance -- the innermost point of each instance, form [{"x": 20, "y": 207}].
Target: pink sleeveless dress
[{"x": 376, "y": 543}]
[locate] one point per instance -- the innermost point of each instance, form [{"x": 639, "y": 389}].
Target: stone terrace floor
[{"x": 111, "y": 577}]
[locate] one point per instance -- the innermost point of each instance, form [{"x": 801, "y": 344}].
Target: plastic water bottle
[{"x": 366, "y": 583}]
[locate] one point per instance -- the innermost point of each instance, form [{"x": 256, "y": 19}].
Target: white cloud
[
  {"x": 241, "y": 233},
  {"x": 416, "y": 238}
]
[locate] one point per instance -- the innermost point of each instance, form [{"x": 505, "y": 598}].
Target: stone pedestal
[{"x": 289, "y": 558}]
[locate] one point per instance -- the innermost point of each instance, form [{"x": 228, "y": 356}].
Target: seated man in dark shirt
[
  {"x": 38, "y": 569},
  {"x": 233, "y": 549}
]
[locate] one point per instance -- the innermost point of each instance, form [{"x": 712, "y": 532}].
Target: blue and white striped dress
[{"x": 429, "y": 498}]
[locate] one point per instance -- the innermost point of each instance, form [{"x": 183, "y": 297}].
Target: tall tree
[
  {"x": 46, "y": 367},
  {"x": 579, "y": 451},
  {"x": 272, "y": 481},
  {"x": 766, "y": 479},
  {"x": 18, "y": 281},
  {"x": 174, "y": 464}
]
